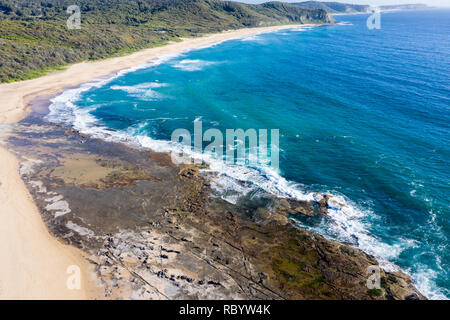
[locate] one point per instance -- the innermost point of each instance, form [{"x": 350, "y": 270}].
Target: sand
[{"x": 33, "y": 264}]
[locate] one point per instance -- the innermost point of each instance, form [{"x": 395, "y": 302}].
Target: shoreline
[
  {"x": 68, "y": 252},
  {"x": 19, "y": 94},
  {"x": 186, "y": 244},
  {"x": 21, "y": 219},
  {"x": 25, "y": 240}
]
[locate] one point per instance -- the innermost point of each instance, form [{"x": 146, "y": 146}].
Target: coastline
[
  {"x": 17, "y": 95},
  {"x": 154, "y": 229},
  {"x": 66, "y": 253},
  {"x": 25, "y": 238}
]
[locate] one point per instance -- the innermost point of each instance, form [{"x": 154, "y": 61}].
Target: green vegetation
[
  {"x": 295, "y": 267},
  {"x": 374, "y": 292},
  {"x": 34, "y": 37}
]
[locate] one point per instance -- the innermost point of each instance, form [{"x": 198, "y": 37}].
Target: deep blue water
[{"x": 363, "y": 114}]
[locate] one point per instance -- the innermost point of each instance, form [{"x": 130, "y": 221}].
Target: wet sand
[{"x": 34, "y": 263}]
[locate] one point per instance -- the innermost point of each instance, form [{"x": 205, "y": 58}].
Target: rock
[
  {"x": 324, "y": 203},
  {"x": 288, "y": 206},
  {"x": 279, "y": 219},
  {"x": 284, "y": 203},
  {"x": 129, "y": 259},
  {"x": 399, "y": 286},
  {"x": 261, "y": 214},
  {"x": 166, "y": 237},
  {"x": 188, "y": 171}
]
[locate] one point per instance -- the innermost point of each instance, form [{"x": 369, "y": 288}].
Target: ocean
[{"x": 362, "y": 114}]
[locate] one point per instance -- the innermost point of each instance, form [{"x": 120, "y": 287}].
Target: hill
[
  {"x": 34, "y": 37},
  {"x": 337, "y": 7},
  {"x": 334, "y": 7}
]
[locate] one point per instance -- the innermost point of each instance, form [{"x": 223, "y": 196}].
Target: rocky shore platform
[{"x": 154, "y": 230}]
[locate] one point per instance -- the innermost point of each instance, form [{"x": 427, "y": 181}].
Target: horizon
[{"x": 434, "y": 3}]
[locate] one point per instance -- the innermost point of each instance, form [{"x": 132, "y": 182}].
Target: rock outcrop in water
[{"x": 155, "y": 230}]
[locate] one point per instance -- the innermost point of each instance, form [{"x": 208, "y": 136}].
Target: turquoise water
[{"x": 363, "y": 114}]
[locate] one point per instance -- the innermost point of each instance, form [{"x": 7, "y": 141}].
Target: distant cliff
[
  {"x": 337, "y": 7},
  {"x": 334, "y": 7},
  {"x": 34, "y": 37}
]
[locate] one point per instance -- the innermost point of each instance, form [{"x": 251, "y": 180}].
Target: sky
[{"x": 436, "y": 3}]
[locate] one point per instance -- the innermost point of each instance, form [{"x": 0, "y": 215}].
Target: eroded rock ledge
[{"x": 153, "y": 230}]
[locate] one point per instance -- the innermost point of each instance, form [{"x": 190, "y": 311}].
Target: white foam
[
  {"x": 192, "y": 65},
  {"x": 233, "y": 180},
  {"x": 301, "y": 29},
  {"x": 64, "y": 111},
  {"x": 347, "y": 220},
  {"x": 344, "y": 23},
  {"x": 423, "y": 278},
  {"x": 143, "y": 91},
  {"x": 253, "y": 38}
]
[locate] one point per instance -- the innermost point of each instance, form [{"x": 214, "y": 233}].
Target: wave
[
  {"x": 423, "y": 278},
  {"x": 346, "y": 220},
  {"x": 192, "y": 65},
  {"x": 231, "y": 180},
  {"x": 143, "y": 91},
  {"x": 63, "y": 109},
  {"x": 255, "y": 38},
  {"x": 344, "y": 23},
  {"x": 301, "y": 29}
]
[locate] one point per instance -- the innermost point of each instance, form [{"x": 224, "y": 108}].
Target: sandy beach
[{"x": 34, "y": 264}]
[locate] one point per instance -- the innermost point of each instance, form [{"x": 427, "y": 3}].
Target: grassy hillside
[{"x": 34, "y": 37}]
